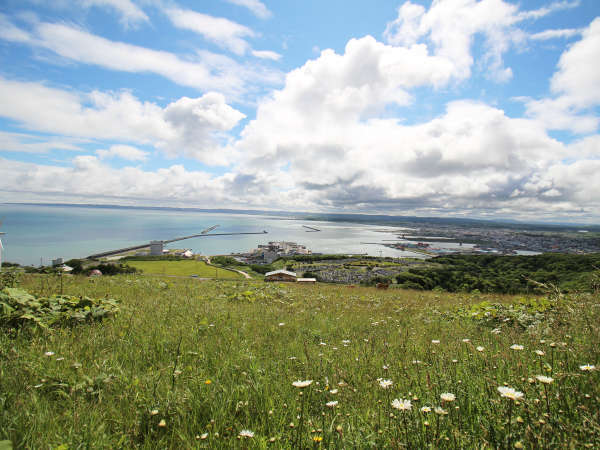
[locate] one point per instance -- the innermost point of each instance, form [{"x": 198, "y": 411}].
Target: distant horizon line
[{"x": 319, "y": 215}]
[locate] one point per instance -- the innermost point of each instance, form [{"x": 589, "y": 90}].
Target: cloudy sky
[{"x": 476, "y": 108}]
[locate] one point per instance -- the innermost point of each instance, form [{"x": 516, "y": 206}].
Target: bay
[{"x": 38, "y": 233}]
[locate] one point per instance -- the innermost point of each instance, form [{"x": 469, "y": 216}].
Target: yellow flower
[
  {"x": 207, "y": 382},
  {"x": 317, "y": 438}
]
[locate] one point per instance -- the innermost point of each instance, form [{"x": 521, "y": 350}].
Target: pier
[
  {"x": 310, "y": 229},
  {"x": 139, "y": 247}
]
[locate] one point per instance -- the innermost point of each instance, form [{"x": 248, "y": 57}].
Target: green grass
[
  {"x": 183, "y": 268},
  {"x": 214, "y": 358}
]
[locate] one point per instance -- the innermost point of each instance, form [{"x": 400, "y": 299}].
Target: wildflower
[
  {"x": 518, "y": 444},
  {"x": 317, "y": 439},
  {"x": 448, "y": 397},
  {"x": 587, "y": 367},
  {"x": 435, "y": 341},
  {"x": 207, "y": 382},
  {"x": 331, "y": 404},
  {"x": 281, "y": 324},
  {"x": 246, "y": 433},
  {"x": 154, "y": 412},
  {"x": 204, "y": 436},
  {"x": 345, "y": 342},
  {"x": 426, "y": 409},
  {"x": 544, "y": 379},
  {"x": 322, "y": 343},
  {"x": 402, "y": 405},
  {"x": 440, "y": 411},
  {"x": 516, "y": 347},
  {"x": 385, "y": 383},
  {"x": 333, "y": 391},
  {"x": 302, "y": 384},
  {"x": 162, "y": 423},
  {"x": 496, "y": 331},
  {"x": 49, "y": 354},
  {"x": 479, "y": 348},
  {"x": 540, "y": 353},
  {"x": 385, "y": 367},
  {"x": 466, "y": 340},
  {"x": 510, "y": 393}
]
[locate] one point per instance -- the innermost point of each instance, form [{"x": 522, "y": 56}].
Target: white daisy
[
  {"x": 402, "y": 405},
  {"x": 509, "y": 392}
]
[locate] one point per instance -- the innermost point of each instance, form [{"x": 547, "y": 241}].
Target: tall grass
[{"x": 191, "y": 364}]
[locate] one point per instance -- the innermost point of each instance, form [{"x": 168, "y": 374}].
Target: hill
[{"x": 246, "y": 364}]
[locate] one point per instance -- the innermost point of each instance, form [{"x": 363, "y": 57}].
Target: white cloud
[
  {"x": 205, "y": 70},
  {"x": 131, "y": 14},
  {"x": 221, "y": 31},
  {"x": 545, "y": 10},
  {"x": 266, "y": 54},
  {"x": 450, "y": 26},
  {"x": 555, "y": 34},
  {"x": 576, "y": 85},
  {"x": 10, "y": 32},
  {"x": 578, "y": 77},
  {"x": 319, "y": 141},
  {"x": 198, "y": 125},
  {"x": 257, "y": 7},
  {"x": 90, "y": 178},
  {"x": 126, "y": 152},
  {"x": 30, "y": 143},
  {"x": 190, "y": 127}
]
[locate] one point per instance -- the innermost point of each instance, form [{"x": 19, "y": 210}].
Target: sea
[{"x": 37, "y": 234}]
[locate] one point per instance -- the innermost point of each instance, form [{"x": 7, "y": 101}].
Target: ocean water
[{"x": 37, "y": 234}]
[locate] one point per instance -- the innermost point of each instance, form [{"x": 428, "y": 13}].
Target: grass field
[
  {"x": 183, "y": 268},
  {"x": 216, "y": 364}
]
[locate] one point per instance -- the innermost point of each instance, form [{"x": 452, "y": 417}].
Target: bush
[
  {"x": 111, "y": 269},
  {"x": 18, "y": 308},
  {"x": 260, "y": 268},
  {"x": 225, "y": 261}
]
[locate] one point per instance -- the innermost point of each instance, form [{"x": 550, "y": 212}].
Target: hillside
[{"x": 215, "y": 364}]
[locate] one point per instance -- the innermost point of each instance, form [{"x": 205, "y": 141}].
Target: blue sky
[{"x": 476, "y": 108}]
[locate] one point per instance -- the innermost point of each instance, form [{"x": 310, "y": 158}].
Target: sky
[{"x": 458, "y": 108}]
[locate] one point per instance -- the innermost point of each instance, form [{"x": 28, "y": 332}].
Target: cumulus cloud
[
  {"x": 91, "y": 178},
  {"x": 197, "y": 125},
  {"x": 451, "y": 25},
  {"x": 322, "y": 140},
  {"x": 205, "y": 70},
  {"x": 575, "y": 85},
  {"x": 188, "y": 126},
  {"x": 257, "y": 7}
]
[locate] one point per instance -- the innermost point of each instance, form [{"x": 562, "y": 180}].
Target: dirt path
[{"x": 248, "y": 277}]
